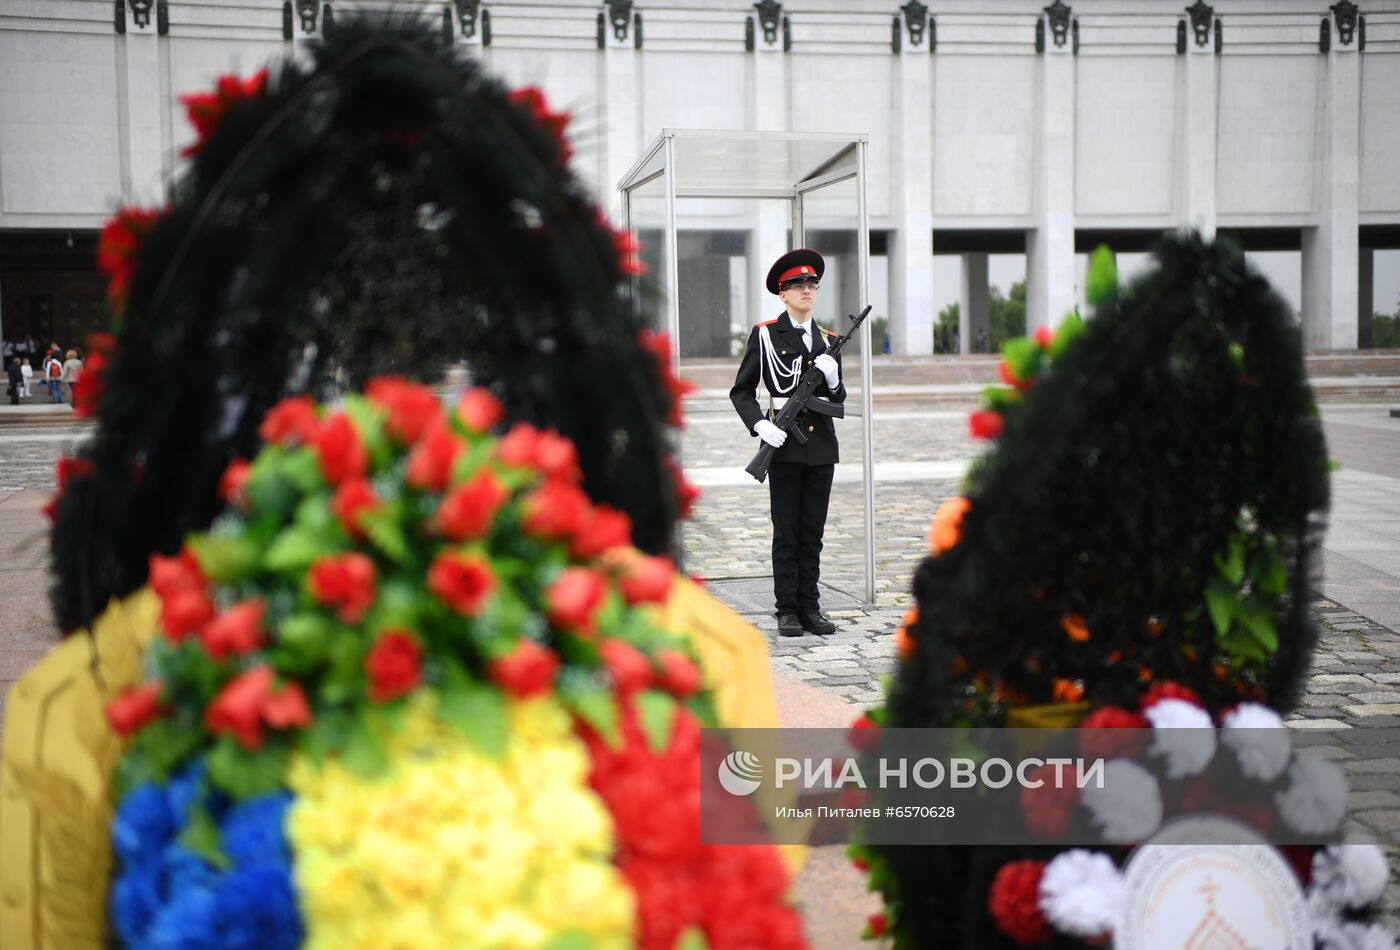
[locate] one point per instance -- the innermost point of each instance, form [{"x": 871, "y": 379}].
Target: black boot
[
  {"x": 789, "y": 625},
  {"x": 818, "y": 623}
]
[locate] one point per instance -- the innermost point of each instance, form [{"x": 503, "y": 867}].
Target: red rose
[
  {"x": 101, "y": 348},
  {"x": 517, "y": 447},
  {"x": 119, "y": 248},
  {"x": 412, "y": 408},
  {"x": 1168, "y": 689},
  {"x": 394, "y": 665},
  {"x": 1009, "y": 377},
  {"x": 659, "y": 346},
  {"x": 353, "y": 497},
  {"x": 985, "y": 424},
  {"x": 1047, "y": 807},
  {"x": 291, "y": 422},
  {"x": 345, "y": 582},
  {"x": 183, "y": 612},
  {"x": 628, "y": 250},
  {"x": 235, "y": 632},
  {"x": 234, "y": 482},
  {"x": 864, "y": 734},
  {"x": 286, "y": 708},
  {"x": 1013, "y": 901},
  {"x": 207, "y": 109},
  {"x": 479, "y": 410},
  {"x": 467, "y": 513},
  {"x": 340, "y": 450},
  {"x": 555, "y": 511},
  {"x": 557, "y": 457},
  {"x": 166, "y": 575},
  {"x": 430, "y": 463},
  {"x": 1045, "y": 336},
  {"x": 646, "y": 580},
  {"x": 628, "y": 667},
  {"x": 601, "y": 530},
  {"x": 462, "y": 581},
  {"x": 528, "y": 670},
  {"x": 574, "y": 598},
  {"x": 130, "y": 711},
  {"x": 1098, "y": 742},
  {"x": 860, "y": 864},
  {"x": 247, "y": 703},
  {"x": 877, "y": 925},
  {"x": 686, "y": 494},
  {"x": 679, "y": 675},
  {"x": 532, "y": 100}
]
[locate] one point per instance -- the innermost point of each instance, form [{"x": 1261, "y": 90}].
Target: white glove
[
  {"x": 770, "y": 433},
  {"x": 830, "y": 369}
]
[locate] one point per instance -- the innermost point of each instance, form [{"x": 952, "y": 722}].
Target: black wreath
[{"x": 390, "y": 209}]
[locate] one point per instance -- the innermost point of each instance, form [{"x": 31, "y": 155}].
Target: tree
[
  {"x": 1008, "y": 314},
  {"x": 947, "y": 326}
]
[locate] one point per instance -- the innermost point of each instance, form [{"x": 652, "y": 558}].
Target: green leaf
[
  {"x": 268, "y": 489},
  {"x": 479, "y": 713},
  {"x": 302, "y": 467},
  {"x": 364, "y": 752},
  {"x": 293, "y": 550},
  {"x": 201, "y": 836},
  {"x": 225, "y": 559},
  {"x": 1256, "y": 613},
  {"x": 1267, "y": 571},
  {"x": 345, "y": 679},
  {"x": 657, "y": 712},
  {"x": 1022, "y": 356},
  {"x": 314, "y": 514},
  {"x": 329, "y": 733},
  {"x": 1069, "y": 330},
  {"x": 598, "y": 708},
  {"x": 1232, "y": 563},
  {"x": 244, "y": 773},
  {"x": 570, "y": 940},
  {"x": 1101, "y": 284},
  {"x": 692, "y": 938},
  {"x": 305, "y": 641},
  {"x": 1221, "y": 600},
  {"x": 381, "y": 525},
  {"x": 1237, "y": 355}
]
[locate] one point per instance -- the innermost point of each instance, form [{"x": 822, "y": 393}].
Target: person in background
[
  {"x": 16, "y": 381},
  {"x": 72, "y": 373},
  {"x": 27, "y": 372},
  {"x": 53, "y": 376}
]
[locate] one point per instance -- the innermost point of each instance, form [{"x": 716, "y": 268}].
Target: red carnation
[
  {"x": 532, "y": 100},
  {"x": 394, "y": 665},
  {"x": 985, "y": 424},
  {"x": 1047, "y": 807},
  {"x": 646, "y": 580},
  {"x": 659, "y": 346},
  {"x": 233, "y": 483},
  {"x": 66, "y": 468},
  {"x": 235, "y": 632},
  {"x": 412, "y": 408},
  {"x": 469, "y": 510},
  {"x": 555, "y": 511},
  {"x": 1013, "y": 900},
  {"x": 118, "y": 248},
  {"x": 345, "y": 582},
  {"x": 574, "y": 598},
  {"x": 679, "y": 675},
  {"x": 557, "y": 457},
  {"x": 207, "y": 109},
  {"x": 602, "y": 529},
  {"x": 101, "y": 348},
  {"x": 1096, "y": 742},
  {"x": 1045, "y": 336},
  {"x": 430, "y": 462},
  {"x": 341, "y": 451},
  {"x": 462, "y": 581},
  {"x": 130, "y": 711},
  {"x": 628, "y": 667},
  {"x": 860, "y": 864},
  {"x": 183, "y": 612},
  {"x": 528, "y": 670},
  {"x": 686, "y": 493},
  {"x": 248, "y": 702},
  {"x": 629, "y": 251},
  {"x": 1168, "y": 689},
  {"x": 864, "y": 734},
  {"x": 166, "y": 575},
  {"x": 877, "y": 925},
  {"x": 1009, "y": 377},
  {"x": 479, "y": 410},
  {"x": 351, "y": 499},
  {"x": 517, "y": 446},
  {"x": 292, "y": 421}
]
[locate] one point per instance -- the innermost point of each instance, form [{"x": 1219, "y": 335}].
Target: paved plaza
[{"x": 921, "y": 454}]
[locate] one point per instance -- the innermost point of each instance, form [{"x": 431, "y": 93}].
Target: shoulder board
[{"x": 767, "y": 323}]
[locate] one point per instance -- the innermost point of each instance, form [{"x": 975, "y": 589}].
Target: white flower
[
  {"x": 1315, "y": 801},
  {"x": 1129, "y": 806},
  {"x": 1183, "y": 734},
  {"x": 1334, "y": 934},
  {"x": 1256, "y": 735},
  {"x": 1081, "y": 893},
  {"x": 1352, "y": 874}
]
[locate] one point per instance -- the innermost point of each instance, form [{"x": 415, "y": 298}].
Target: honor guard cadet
[{"x": 799, "y": 483}]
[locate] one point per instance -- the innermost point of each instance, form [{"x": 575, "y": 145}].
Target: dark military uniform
[{"x": 799, "y": 482}]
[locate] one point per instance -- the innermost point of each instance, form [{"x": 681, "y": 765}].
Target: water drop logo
[{"x": 740, "y": 773}]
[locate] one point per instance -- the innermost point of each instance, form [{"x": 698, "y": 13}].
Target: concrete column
[
  {"x": 1365, "y": 295},
  {"x": 1050, "y": 244},
  {"x": 974, "y": 304},
  {"x": 140, "y": 100},
  {"x": 1330, "y": 248},
  {"x": 912, "y": 314},
  {"x": 621, "y": 125},
  {"x": 1200, "y": 72}
]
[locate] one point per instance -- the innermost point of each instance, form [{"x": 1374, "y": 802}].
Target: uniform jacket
[{"x": 752, "y": 405}]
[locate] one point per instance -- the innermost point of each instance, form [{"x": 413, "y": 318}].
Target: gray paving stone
[{"x": 1374, "y": 709}]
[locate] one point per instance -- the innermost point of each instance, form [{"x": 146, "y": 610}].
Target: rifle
[{"x": 802, "y": 399}]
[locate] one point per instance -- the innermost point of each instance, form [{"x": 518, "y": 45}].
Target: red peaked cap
[{"x": 801, "y": 264}]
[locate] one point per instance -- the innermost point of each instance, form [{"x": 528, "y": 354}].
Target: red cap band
[{"x": 804, "y": 270}]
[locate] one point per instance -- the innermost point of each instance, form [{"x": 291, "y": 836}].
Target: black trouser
[{"x": 798, "y": 497}]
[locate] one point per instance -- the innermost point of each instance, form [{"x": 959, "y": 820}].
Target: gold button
[{"x": 811, "y": 428}]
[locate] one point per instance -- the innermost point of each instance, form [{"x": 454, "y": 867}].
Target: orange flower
[
  {"x": 1074, "y": 627},
  {"x": 1068, "y": 691},
  {"x": 904, "y": 643},
  {"x": 1145, "y": 675},
  {"x": 958, "y": 667},
  {"x": 945, "y": 530}
]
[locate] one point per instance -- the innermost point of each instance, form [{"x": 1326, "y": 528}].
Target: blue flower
[
  {"x": 257, "y": 910},
  {"x": 142, "y": 825},
  {"x": 181, "y": 789},
  {"x": 186, "y": 923},
  {"x": 184, "y": 868},
  {"x": 134, "y": 901},
  {"x": 252, "y": 832}
]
